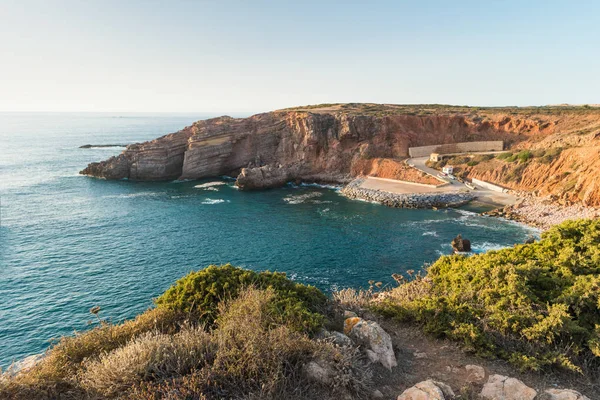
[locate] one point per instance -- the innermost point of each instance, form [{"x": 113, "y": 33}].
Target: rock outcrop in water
[{"x": 324, "y": 143}]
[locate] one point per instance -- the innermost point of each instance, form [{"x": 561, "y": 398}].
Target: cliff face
[
  {"x": 573, "y": 177},
  {"x": 325, "y": 143}
]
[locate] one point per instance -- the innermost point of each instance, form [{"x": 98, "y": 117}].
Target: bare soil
[{"x": 421, "y": 357}]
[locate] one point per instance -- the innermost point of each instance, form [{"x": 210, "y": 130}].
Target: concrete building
[{"x": 448, "y": 169}]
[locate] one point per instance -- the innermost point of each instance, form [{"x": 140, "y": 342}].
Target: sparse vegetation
[
  {"x": 536, "y": 305},
  {"x": 256, "y": 343},
  {"x": 382, "y": 110}
]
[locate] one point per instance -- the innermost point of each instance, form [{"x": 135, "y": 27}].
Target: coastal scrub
[{"x": 535, "y": 305}]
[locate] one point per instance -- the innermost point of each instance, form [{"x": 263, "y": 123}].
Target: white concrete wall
[
  {"x": 465, "y": 147},
  {"x": 489, "y": 186}
]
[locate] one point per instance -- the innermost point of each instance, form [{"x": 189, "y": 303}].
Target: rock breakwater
[{"x": 406, "y": 200}]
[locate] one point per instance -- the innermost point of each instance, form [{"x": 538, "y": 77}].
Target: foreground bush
[
  {"x": 256, "y": 347},
  {"x": 535, "y": 305},
  {"x": 200, "y": 292}
]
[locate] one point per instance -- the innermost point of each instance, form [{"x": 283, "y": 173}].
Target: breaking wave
[
  {"x": 210, "y": 185},
  {"x": 301, "y": 198},
  {"x": 214, "y": 201}
]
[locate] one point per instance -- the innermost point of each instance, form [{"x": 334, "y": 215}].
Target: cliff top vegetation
[{"x": 374, "y": 109}]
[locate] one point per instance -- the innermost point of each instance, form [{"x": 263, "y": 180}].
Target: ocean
[{"x": 70, "y": 242}]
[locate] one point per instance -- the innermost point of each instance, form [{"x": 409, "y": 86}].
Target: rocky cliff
[{"x": 324, "y": 143}]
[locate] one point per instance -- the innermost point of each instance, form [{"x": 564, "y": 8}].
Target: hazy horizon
[{"x": 233, "y": 57}]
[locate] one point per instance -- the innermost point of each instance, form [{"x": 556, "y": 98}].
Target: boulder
[
  {"x": 264, "y": 177},
  {"x": 565, "y": 394},
  {"x": 318, "y": 373},
  {"x": 499, "y": 387},
  {"x": 374, "y": 338},
  {"x": 337, "y": 338},
  {"x": 428, "y": 390},
  {"x": 461, "y": 245},
  {"x": 23, "y": 365}
]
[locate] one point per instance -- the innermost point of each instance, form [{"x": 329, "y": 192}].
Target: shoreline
[{"x": 543, "y": 212}]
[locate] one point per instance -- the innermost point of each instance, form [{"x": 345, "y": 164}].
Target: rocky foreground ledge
[{"x": 413, "y": 200}]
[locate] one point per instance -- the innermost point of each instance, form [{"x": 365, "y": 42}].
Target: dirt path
[{"x": 421, "y": 357}]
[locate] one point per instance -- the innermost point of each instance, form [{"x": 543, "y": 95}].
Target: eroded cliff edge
[{"x": 323, "y": 143}]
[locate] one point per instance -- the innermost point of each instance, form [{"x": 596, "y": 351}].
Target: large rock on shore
[
  {"x": 461, "y": 245},
  {"x": 265, "y": 177}
]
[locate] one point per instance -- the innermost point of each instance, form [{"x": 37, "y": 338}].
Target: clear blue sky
[{"x": 251, "y": 56}]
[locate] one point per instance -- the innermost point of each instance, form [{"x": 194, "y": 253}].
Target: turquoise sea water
[{"x": 69, "y": 242}]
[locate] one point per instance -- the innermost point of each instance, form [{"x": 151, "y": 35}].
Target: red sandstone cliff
[{"x": 324, "y": 143}]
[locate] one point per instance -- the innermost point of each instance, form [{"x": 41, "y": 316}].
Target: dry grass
[
  {"x": 250, "y": 353},
  {"x": 150, "y": 356},
  {"x": 353, "y": 299}
]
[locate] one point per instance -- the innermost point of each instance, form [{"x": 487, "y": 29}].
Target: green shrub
[
  {"x": 551, "y": 155},
  {"x": 534, "y": 305},
  {"x": 524, "y": 156},
  {"x": 483, "y": 157},
  {"x": 457, "y": 160},
  {"x": 538, "y": 153},
  {"x": 472, "y": 163},
  {"x": 516, "y": 174},
  {"x": 504, "y": 156},
  {"x": 199, "y": 293}
]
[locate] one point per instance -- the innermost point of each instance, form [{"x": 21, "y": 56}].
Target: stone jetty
[{"x": 406, "y": 200}]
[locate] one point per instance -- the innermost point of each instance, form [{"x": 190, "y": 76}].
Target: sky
[{"x": 253, "y": 55}]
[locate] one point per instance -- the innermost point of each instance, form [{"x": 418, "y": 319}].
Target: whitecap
[
  {"x": 486, "y": 246},
  {"x": 323, "y": 186},
  {"x": 430, "y": 233},
  {"x": 134, "y": 195},
  {"x": 301, "y": 198},
  {"x": 210, "y": 185},
  {"x": 214, "y": 201}
]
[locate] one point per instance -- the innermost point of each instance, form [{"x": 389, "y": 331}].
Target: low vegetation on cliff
[
  {"x": 536, "y": 305},
  {"x": 223, "y": 332}
]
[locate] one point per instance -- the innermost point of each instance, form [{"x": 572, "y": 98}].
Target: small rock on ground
[
  {"x": 476, "y": 373},
  {"x": 428, "y": 390},
  {"x": 565, "y": 394},
  {"x": 499, "y": 387}
]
